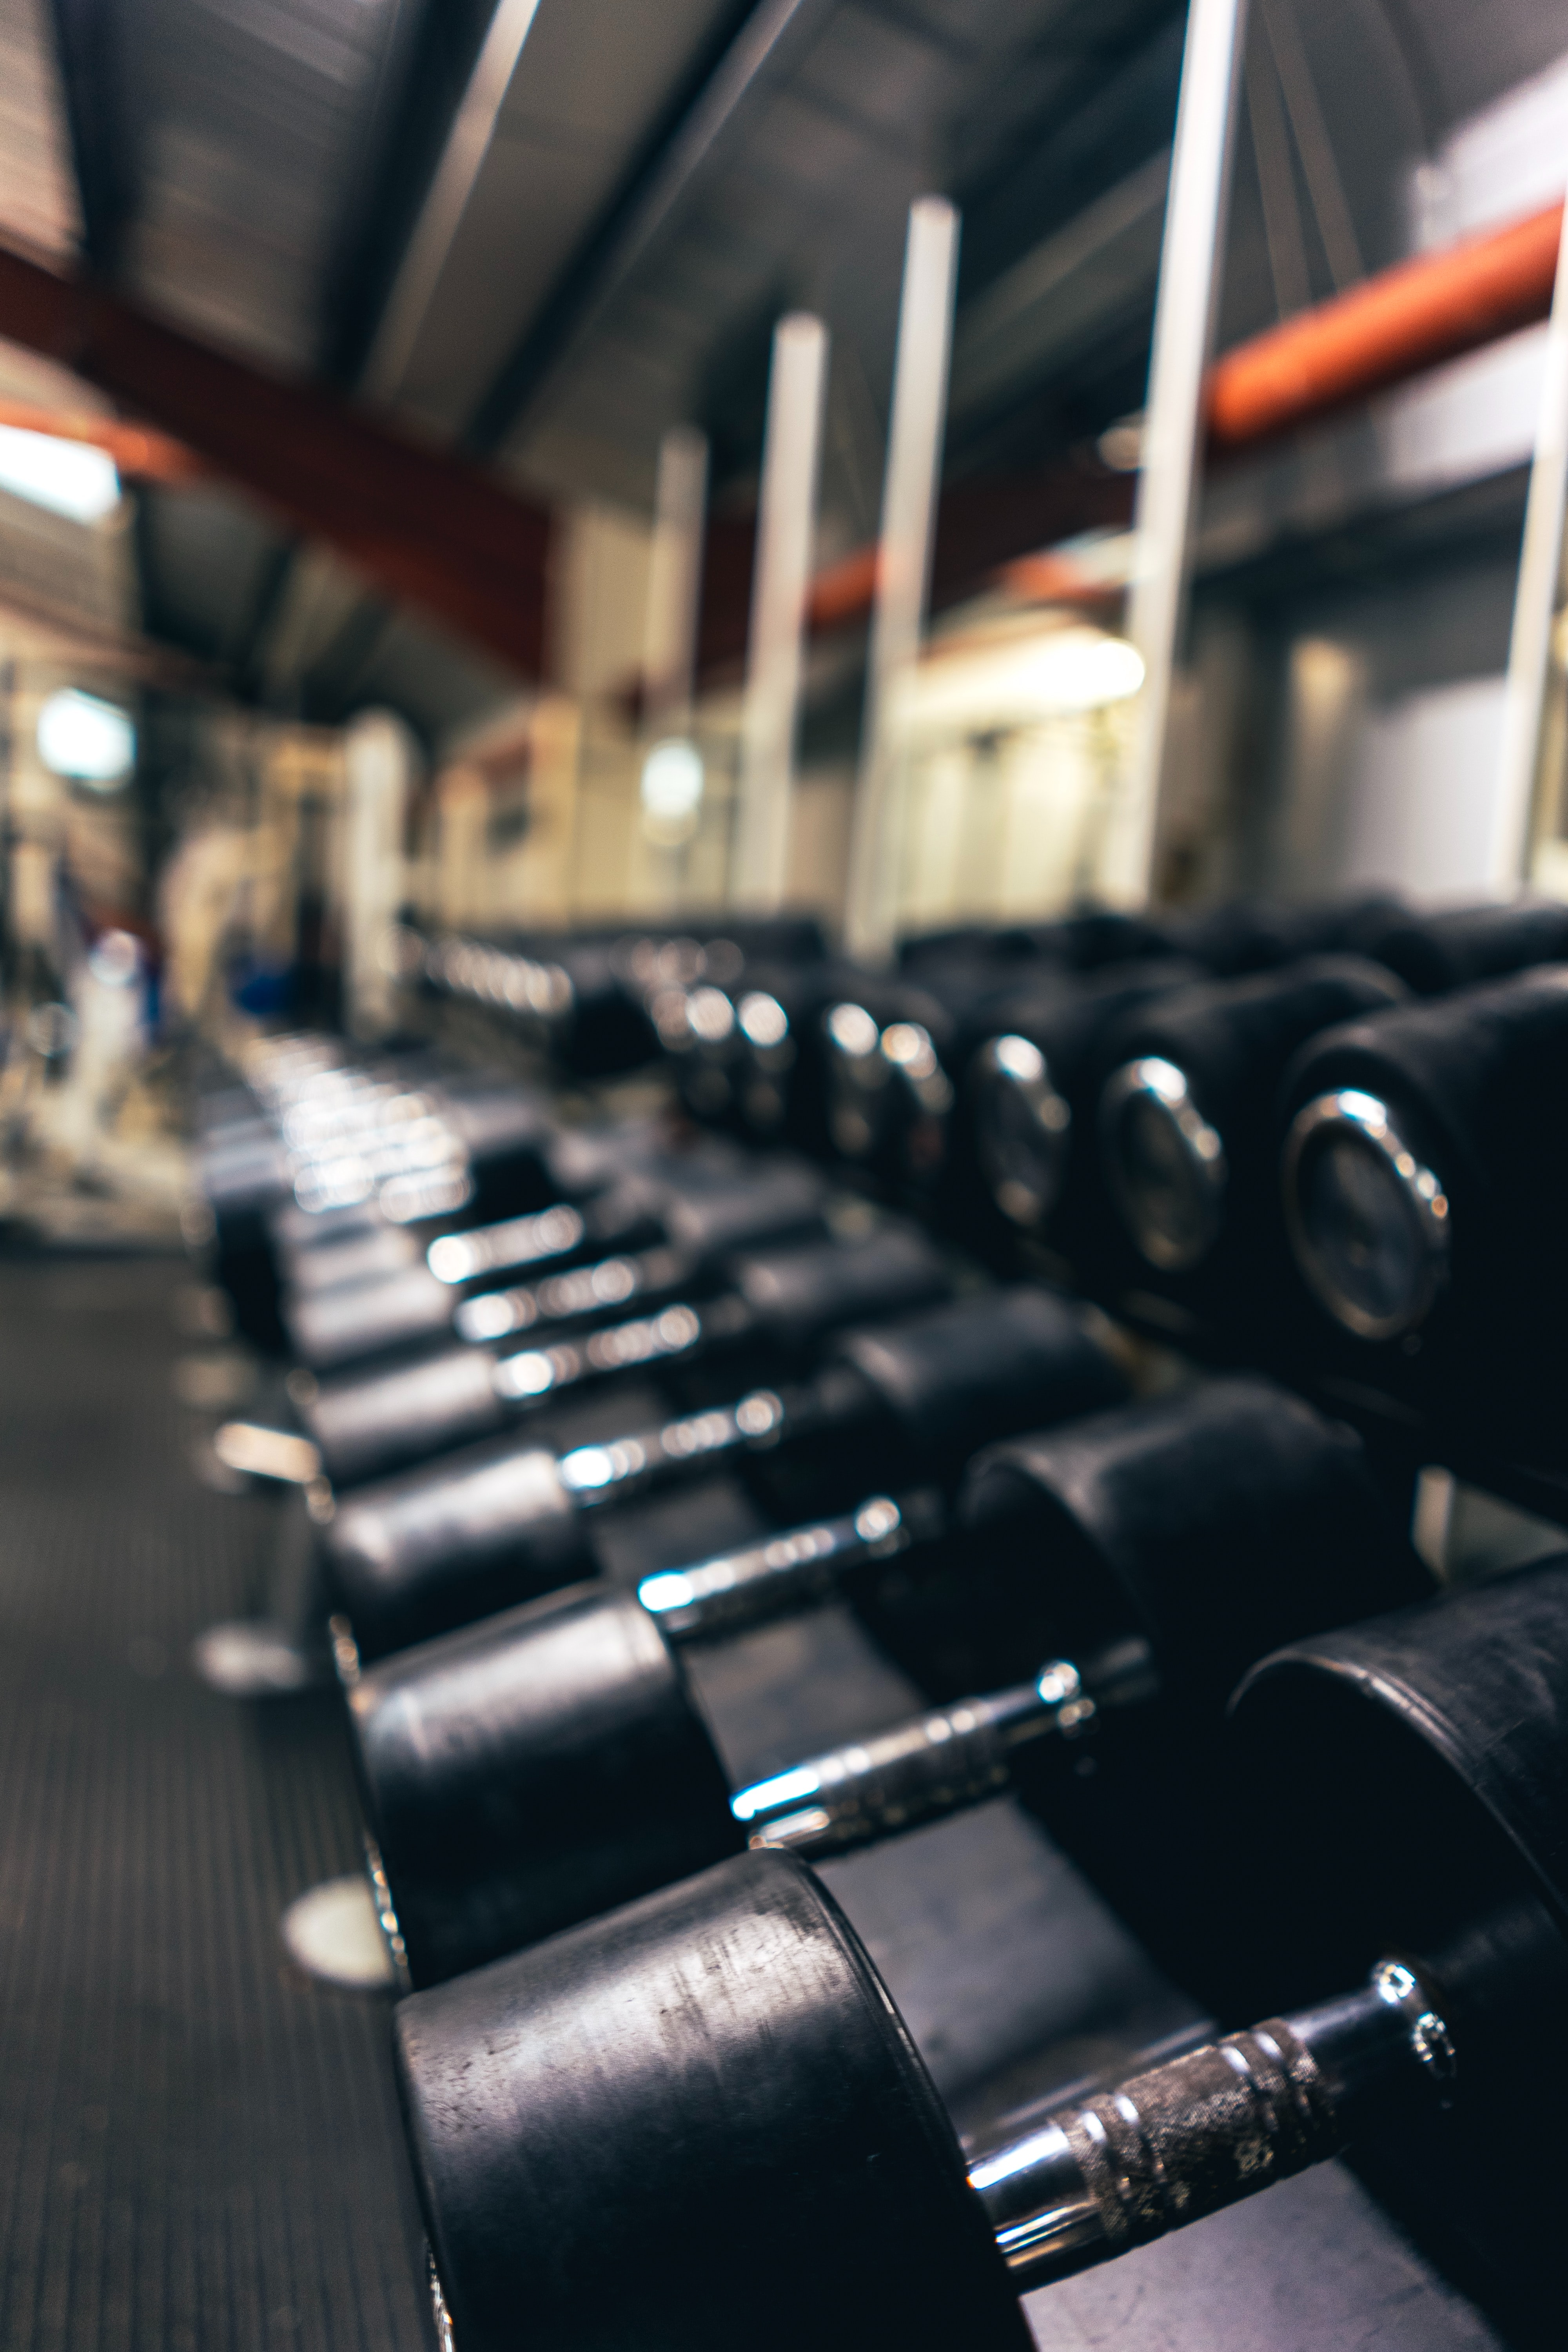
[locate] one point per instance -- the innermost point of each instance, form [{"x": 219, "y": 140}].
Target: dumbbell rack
[
  {"x": 1405, "y": 1440},
  {"x": 987, "y": 1918}
]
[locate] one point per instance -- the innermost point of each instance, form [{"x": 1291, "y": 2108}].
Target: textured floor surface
[{"x": 197, "y": 2149}]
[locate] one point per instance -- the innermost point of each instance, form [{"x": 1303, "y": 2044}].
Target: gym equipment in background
[
  {"x": 697, "y": 1305},
  {"x": 1422, "y": 1170},
  {"x": 679, "y": 1210},
  {"x": 1188, "y": 1133},
  {"x": 589, "y": 998}
]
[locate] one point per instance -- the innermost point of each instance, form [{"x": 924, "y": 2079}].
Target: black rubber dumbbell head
[
  {"x": 1438, "y": 950},
  {"x": 720, "y": 2069},
  {"x": 1414, "y": 1770},
  {"x": 1027, "y": 1122},
  {"x": 1187, "y": 1117},
  {"x": 1421, "y": 1176},
  {"x": 1213, "y": 1525},
  {"x": 532, "y": 1771}
]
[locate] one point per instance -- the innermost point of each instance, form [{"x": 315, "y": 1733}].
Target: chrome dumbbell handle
[
  {"x": 742, "y": 1588},
  {"x": 533, "y": 1240},
  {"x": 764, "y": 1418},
  {"x": 608, "y": 1281},
  {"x": 675, "y": 1332},
  {"x": 936, "y": 1763},
  {"x": 1207, "y": 2129}
]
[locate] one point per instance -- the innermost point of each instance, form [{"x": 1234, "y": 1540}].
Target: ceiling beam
[
  {"x": 674, "y": 155},
  {"x": 87, "y": 47},
  {"x": 433, "y": 529}
]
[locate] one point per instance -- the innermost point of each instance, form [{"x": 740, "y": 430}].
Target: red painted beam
[{"x": 426, "y": 527}]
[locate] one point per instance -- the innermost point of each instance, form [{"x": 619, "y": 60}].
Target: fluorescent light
[
  {"x": 1022, "y": 683},
  {"x": 91, "y": 742},
  {"x": 69, "y": 478},
  {"x": 671, "y": 792}
]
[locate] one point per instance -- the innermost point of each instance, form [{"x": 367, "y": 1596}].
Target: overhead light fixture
[
  {"x": 1121, "y": 445},
  {"x": 671, "y": 790},
  {"x": 69, "y": 478},
  {"x": 1022, "y": 683},
  {"x": 90, "y": 741}
]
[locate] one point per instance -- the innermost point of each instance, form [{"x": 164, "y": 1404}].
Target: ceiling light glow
[
  {"x": 1052, "y": 676},
  {"x": 672, "y": 784},
  {"x": 90, "y": 741},
  {"x": 69, "y": 478}
]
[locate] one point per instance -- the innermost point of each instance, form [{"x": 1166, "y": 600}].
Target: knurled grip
[
  {"x": 953, "y": 1756},
  {"x": 945, "y": 1759},
  {"x": 1197, "y": 2135}
]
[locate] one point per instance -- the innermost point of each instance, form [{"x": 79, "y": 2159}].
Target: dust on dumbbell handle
[{"x": 1206, "y": 2129}]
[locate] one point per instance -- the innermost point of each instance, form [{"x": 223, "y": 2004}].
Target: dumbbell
[
  {"x": 756, "y": 1056},
  {"x": 609, "y": 1200},
  {"x": 461, "y": 1538},
  {"x": 240, "y": 1159},
  {"x": 798, "y": 1056},
  {"x": 521, "y": 1774},
  {"x": 1421, "y": 1175},
  {"x": 908, "y": 1082},
  {"x": 316, "y": 1250},
  {"x": 1079, "y": 943},
  {"x": 263, "y": 1204},
  {"x": 1021, "y": 1153},
  {"x": 1436, "y": 950},
  {"x": 1188, "y": 1130},
  {"x": 696, "y": 1306},
  {"x": 588, "y": 997},
  {"x": 724, "y": 2048},
  {"x": 892, "y": 1059},
  {"x": 1242, "y": 937},
  {"x": 418, "y": 1135}
]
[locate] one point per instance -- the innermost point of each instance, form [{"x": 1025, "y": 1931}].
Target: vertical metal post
[
  {"x": 1191, "y": 263},
  {"x": 672, "y": 779},
  {"x": 675, "y": 582},
  {"x": 785, "y": 521},
  {"x": 904, "y": 566},
  {"x": 379, "y": 764},
  {"x": 1537, "y": 602}
]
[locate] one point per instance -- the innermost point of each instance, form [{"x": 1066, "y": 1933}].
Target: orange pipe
[
  {"x": 1397, "y": 325},
  {"x": 1394, "y": 326},
  {"x": 844, "y": 591}
]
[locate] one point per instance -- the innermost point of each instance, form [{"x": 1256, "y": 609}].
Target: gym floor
[{"x": 200, "y": 2149}]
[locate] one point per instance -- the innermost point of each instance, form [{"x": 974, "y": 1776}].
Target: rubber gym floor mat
[{"x": 197, "y": 2148}]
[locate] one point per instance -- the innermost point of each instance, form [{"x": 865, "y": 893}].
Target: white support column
[
  {"x": 1191, "y": 264},
  {"x": 903, "y": 567},
  {"x": 1537, "y": 602},
  {"x": 380, "y": 761},
  {"x": 675, "y": 582},
  {"x": 672, "y": 779},
  {"x": 786, "y": 521}
]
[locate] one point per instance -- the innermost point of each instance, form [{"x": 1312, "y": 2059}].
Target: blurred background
[{"x": 384, "y": 405}]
